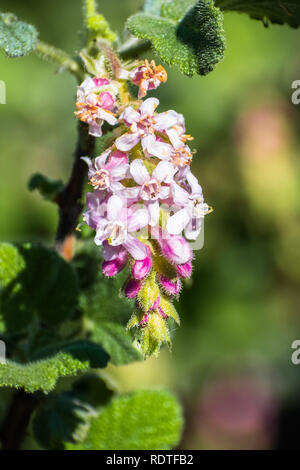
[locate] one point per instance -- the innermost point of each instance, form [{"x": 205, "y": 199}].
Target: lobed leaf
[
  {"x": 280, "y": 12},
  {"x": 62, "y": 418},
  {"x": 143, "y": 420},
  {"x": 48, "y": 188},
  {"x": 16, "y": 37},
  {"x": 40, "y": 375},
  {"x": 38, "y": 284},
  {"x": 190, "y": 37}
]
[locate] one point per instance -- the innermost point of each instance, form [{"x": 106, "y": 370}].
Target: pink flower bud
[
  {"x": 144, "y": 320},
  {"x": 171, "y": 287},
  {"x": 176, "y": 249},
  {"x": 155, "y": 304},
  {"x": 162, "y": 313},
  {"x": 184, "y": 270},
  {"x": 113, "y": 266},
  {"x": 132, "y": 288},
  {"x": 141, "y": 269}
]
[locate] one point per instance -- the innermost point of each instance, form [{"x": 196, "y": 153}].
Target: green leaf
[
  {"x": 48, "y": 188},
  {"x": 38, "y": 284},
  {"x": 153, "y": 7},
  {"x": 11, "y": 263},
  {"x": 40, "y": 375},
  {"x": 16, "y": 38},
  {"x": 102, "y": 304},
  {"x": 95, "y": 388},
  {"x": 190, "y": 37},
  {"x": 62, "y": 418},
  {"x": 280, "y": 12},
  {"x": 84, "y": 351},
  {"x": 143, "y": 420}
]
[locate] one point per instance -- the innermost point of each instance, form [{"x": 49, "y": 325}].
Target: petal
[
  {"x": 180, "y": 196},
  {"x": 194, "y": 184},
  {"x": 139, "y": 172},
  {"x": 88, "y": 161},
  {"x": 115, "y": 206},
  {"x": 138, "y": 220},
  {"x": 130, "y": 193},
  {"x": 116, "y": 158},
  {"x": 110, "y": 252},
  {"x": 107, "y": 116},
  {"x": 119, "y": 172},
  {"x": 136, "y": 248},
  {"x": 164, "y": 192},
  {"x": 127, "y": 141},
  {"x": 193, "y": 229},
  {"x": 100, "y": 161},
  {"x": 177, "y": 222},
  {"x": 164, "y": 172},
  {"x": 95, "y": 129},
  {"x": 174, "y": 138},
  {"x": 130, "y": 116},
  {"x": 168, "y": 119},
  {"x": 156, "y": 148},
  {"x": 149, "y": 106},
  {"x": 153, "y": 208}
]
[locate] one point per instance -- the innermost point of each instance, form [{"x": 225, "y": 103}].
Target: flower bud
[
  {"x": 132, "y": 288},
  {"x": 172, "y": 287},
  {"x": 112, "y": 267},
  {"x": 176, "y": 249},
  {"x": 184, "y": 270},
  {"x": 141, "y": 269}
]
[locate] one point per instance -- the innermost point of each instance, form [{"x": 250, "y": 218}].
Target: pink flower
[
  {"x": 143, "y": 125},
  {"x": 116, "y": 227},
  {"x": 190, "y": 217},
  {"x": 175, "y": 249},
  {"x": 151, "y": 189},
  {"x": 141, "y": 269},
  {"x": 148, "y": 77},
  {"x": 132, "y": 288},
  {"x": 172, "y": 287},
  {"x": 106, "y": 173},
  {"x": 184, "y": 270},
  {"x": 96, "y": 103},
  {"x": 115, "y": 262}
]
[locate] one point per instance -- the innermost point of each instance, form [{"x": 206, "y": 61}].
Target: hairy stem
[
  {"x": 69, "y": 200},
  {"x": 59, "y": 57},
  {"x": 17, "y": 419}
]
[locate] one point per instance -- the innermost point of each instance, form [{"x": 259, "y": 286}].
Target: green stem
[
  {"x": 59, "y": 57},
  {"x": 90, "y": 8},
  {"x": 96, "y": 24}
]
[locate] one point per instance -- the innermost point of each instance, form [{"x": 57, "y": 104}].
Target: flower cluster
[{"x": 146, "y": 203}]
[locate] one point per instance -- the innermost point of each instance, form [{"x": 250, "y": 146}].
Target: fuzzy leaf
[
  {"x": 144, "y": 420},
  {"x": 48, "y": 188},
  {"x": 16, "y": 38},
  {"x": 84, "y": 351},
  {"x": 11, "y": 263},
  {"x": 40, "y": 375},
  {"x": 153, "y": 7},
  {"x": 280, "y": 12},
  {"x": 41, "y": 284},
  {"x": 62, "y": 418},
  {"x": 190, "y": 37}
]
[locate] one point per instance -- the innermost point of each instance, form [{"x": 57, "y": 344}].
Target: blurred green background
[{"x": 231, "y": 359}]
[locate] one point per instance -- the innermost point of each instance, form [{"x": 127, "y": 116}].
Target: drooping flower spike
[{"x": 146, "y": 203}]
